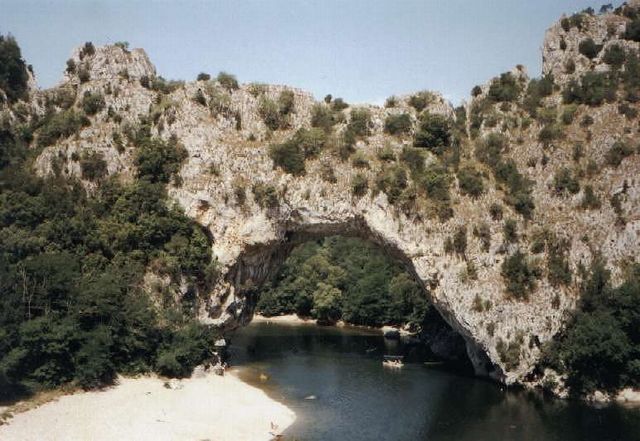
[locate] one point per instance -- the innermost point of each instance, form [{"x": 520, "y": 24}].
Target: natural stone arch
[
  {"x": 258, "y": 262},
  {"x": 225, "y": 157}
]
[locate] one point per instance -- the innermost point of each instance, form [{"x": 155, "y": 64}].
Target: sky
[{"x": 361, "y": 50}]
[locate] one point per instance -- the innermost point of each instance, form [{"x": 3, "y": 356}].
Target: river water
[{"x": 333, "y": 379}]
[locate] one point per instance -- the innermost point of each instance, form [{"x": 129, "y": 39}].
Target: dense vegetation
[
  {"x": 344, "y": 278},
  {"x": 600, "y": 348},
  {"x": 13, "y": 71},
  {"x": 73, "y": 308}
]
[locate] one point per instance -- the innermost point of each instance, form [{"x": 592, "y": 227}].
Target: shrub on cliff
[
  {"x": 433, "y": 133},
  {"x": 289, "y": 156},
  {"x": 505, "y": 88},
  {"x": 93, "y": 166},
  {"x": 594, "y": 88},
  {"x": 398, "y": 124},
  {"x": 632, "y": 31},
  {"x": 158, "y": 160},
  {"x": 589, "y": 48},
  {"x": 13, "y": 70},
  {"x": 227, "y": 81},
  {"x": 520, "y": 274},
  {"x": 92, "y": 102},
  {"x": 470, "y": 181},
  {"x": 360, "y": 122},
  {"x": 60, "y": 125}
]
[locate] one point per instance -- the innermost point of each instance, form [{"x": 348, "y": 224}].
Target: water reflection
[{"x": 357, "y": 399}]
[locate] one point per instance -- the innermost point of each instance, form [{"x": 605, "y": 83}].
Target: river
[{"x": 334, "y": 380}]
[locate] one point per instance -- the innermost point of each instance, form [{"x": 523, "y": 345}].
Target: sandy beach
[{"x": 207, "y": 407}]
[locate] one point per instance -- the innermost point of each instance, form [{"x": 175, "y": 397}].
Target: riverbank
[
  {"x": 293, "y": 319},
  {"x": 205, "y": 406}
]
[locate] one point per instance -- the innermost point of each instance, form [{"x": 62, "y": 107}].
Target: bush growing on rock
[
  {"x": 434, "y": 133},
  {"x": 360, "y": 122},
  {"x": 421, "y": 100},
  {"x": 520, "y": 275},
  {"x": 288, "y": 156},
  {"x": 398, "y": 124},
  {"x": 265, "y": 195},
  {"x": 632, "y": 31},
  {"x": 202, "y": 76},
  {"x": 60, "y": 125},
  {"x": 470, "y": 181},
  {"x": 392, "y": 181},
  {"x": 93, "y": 166},
  {"x": 618, "y": 151},
  {"x": 359, "y": 184},
  {"x": 13, "y": 70},
  {"x": 615, "y": 56},
  {"x": 158, "y": 160},
  {"x": 593, "y": 89},
  {"x": 564, "y": 182},
  {"x": 505, "y": 88},
  {"x": 589, "y": 48},
  {"x": 227, "y": 81},
  {"x": 92, "y": 102},
  {"x": 510, "y": 353}
]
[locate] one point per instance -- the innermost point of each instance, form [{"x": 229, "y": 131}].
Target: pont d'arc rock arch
[{"x": 254, "y": 212}]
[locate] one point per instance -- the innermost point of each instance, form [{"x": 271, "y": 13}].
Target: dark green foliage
[
  {"x": 434, "y": 133},
  {"x": 600, "y": 349},
  {"x": 60, "y": 125},
  {"x": 158, "y": 160},
  {"x": 505, "y": 88},
  {"x": 359, "y": 184},
  {"x": 202, "y": 76},
  {"x": 71, "y": 268},
  {"x": 558, "y": 269},
  {"x": 421, "y": 100},
  {"x": 550, "y": 133},
  {"x": 510, "y": 353},
  {"x": 589, "y": 48},
  {"x": 483, "y": 232},
  {"x": 93, "y": 166},
  {"x": 339, "y": 104},
  {"x": 510, "y": 231},
  {"x": 590, "y": 200},
  {"x": 520, "y": 275},
  {"x": 574, "y": 21},
  {"x": 392, "y": 181},
  {"x": 615, "y": 56},
  {"x": 398, "y": 124},
  {"x": 618, "y": 151},
  {"x": 344, "y": 278},
  {"x": 564, "y": 182},
  {"x": 286, "y": 102},
  {"x": 536, "y": 91},
  {"x": 83, "y": 73},
  {"x": 13, "y": 70},
  {"x": 288, "y": 156},
  {"x": 489, "y": 151},
  {"x": 92, "y": 103},
  {"x": 322, "y": 117},
  {"x": 227, "y": 81},
  {"x": 360, "y": 122},
  {"x": 270, "y": 113},
  {"x": 495, "y": 211},
  {"x": 87, "y": 50},
  {"x": 632, "y": 32},
  {"x": 593, "y": 89},
  {"x": 291, "y": 154},
  {"x": 470, "y": 181}
]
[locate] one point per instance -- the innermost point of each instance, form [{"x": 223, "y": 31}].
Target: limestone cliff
[{"x": 255, "y": 212}]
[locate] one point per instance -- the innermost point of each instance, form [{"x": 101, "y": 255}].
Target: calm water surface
[{"x": 356, "y": 399}]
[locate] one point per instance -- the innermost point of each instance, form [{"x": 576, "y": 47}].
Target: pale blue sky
[{"x": 362, "y": 50}]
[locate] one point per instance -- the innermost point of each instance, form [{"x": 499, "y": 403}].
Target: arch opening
[{"x": 257, "y": 267}]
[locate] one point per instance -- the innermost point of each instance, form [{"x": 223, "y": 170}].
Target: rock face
[{"x": 228, "y": 165}]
